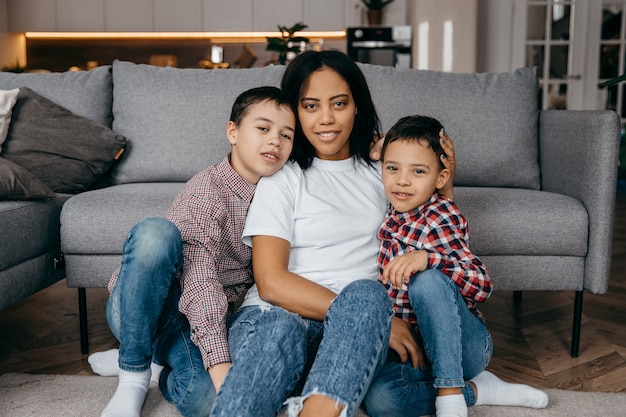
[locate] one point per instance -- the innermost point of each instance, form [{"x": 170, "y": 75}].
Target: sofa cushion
[
  {"x": 16, "y": 183},
  {"x": 65, "y": 151},
  {"x": 175, "y": 119},
  {"x": 509, "y": 221},
  {"x": 29, "y": 229},
  {"x": 85, "y": 93},
  {"x": 97, "y": 221},
  {"x": 492, "y": 118},
  {"x": 7, "y": 101}
]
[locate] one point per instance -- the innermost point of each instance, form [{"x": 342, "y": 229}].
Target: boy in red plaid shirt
[{"x": 435, "y": 283}]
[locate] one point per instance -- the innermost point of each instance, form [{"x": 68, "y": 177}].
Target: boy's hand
[
  {"x": 218, "y": 374},
  {"x": 401, "y": 268},
  {"x": 406, "y": 343},
  {"x": 377, "y": 147},
  {"x": 450, "y": 163}
]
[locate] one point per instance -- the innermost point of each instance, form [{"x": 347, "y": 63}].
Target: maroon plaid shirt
[
  {"x": 210, "y": 212},
  {"x": 439, "y": 228}
]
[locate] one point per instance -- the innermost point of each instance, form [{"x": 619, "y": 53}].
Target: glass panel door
[
  {"x": 612, "y": 55},
  {"x": 612, "y": 63},
  {"x": 547, "y": 38}
]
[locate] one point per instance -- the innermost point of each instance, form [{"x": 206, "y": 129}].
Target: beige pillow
[{"x": 7, "y": 101}]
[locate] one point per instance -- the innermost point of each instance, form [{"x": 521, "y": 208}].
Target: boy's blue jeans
[
  {"x": 277, "y": 354},
  {"x": 143, "y": 314},
  {"x": 457, "y": 345}
]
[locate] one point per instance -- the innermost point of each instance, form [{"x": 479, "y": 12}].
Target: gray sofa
[{"x": 536, "y": 186}]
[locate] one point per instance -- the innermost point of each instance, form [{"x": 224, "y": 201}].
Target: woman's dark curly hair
[{"x": 295, "y": 83}]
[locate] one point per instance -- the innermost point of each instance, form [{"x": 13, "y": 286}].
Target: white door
[
  {"x": 610, "y": 53},
  {"x": 576, "y": 45},
  {"x": 552, "y": 36}
]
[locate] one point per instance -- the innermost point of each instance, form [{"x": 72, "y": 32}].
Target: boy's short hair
[
  {"x": 416, "y": 128},
  {"x": 254, "y": 96}
]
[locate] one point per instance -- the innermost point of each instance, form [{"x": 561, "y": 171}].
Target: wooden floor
[{"x": 532, "y": 340}]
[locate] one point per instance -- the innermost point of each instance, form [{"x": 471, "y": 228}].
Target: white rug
[{"x": 23, "y": 395}]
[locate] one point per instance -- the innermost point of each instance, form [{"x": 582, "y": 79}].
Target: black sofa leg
[
  {"x": 82, "y": 315},
  {"x": 578, "y": 312}
]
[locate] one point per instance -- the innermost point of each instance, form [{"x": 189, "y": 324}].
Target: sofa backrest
[
  {"x": 85, "y": 93},
  {"x": 491, "y": 117},
  {"x": 174, "y": 120}
]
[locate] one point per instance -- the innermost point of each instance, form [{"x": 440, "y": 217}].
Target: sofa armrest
[{"x": 579, "y": 153}]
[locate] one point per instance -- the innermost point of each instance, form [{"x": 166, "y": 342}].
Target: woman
[{"x": 316, "y": 324}]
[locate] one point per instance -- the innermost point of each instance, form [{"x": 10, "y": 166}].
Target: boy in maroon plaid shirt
[
  {"x": 181, "y": 275},
  {"x": 435, "y": 283}
]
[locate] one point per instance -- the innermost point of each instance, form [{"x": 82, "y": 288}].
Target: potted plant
[
  {"x": 287, "y": 42},
  {"x": 375, "y": 10}
]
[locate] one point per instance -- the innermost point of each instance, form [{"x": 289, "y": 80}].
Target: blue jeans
[
  {"x": 143, "y": 314},
  {"x": 457, "y": 345},
  {"x": 277, "y": 354}
]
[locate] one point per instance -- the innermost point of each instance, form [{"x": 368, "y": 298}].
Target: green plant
[
  {"x": 376, "y": 4},
  {"x": 287, "y": 42}
]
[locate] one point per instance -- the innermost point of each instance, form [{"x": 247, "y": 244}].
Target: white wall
[
  {"x": 444, "y": 35},
  {"x": 12, "y": 46},
  {"x": 492, "y": 49},
  {"x": 494, "y": 36}
]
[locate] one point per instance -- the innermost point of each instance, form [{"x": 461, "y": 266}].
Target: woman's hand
[
  {"x": 406, "y": 343},
  {"x": 449, "y": 160},
  {"x": 377, "y": 148}
]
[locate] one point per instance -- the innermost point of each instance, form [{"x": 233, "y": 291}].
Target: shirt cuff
[
  {"x": 434, "y": 258},
  {"x": 213, "y": 349}
]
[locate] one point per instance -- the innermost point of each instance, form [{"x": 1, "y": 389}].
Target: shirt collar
[
  {"x": 235, "y": 182},
  {"x": 412, "y": 215}
]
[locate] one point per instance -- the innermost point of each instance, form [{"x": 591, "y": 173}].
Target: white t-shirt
[{"x": 329, "y": 213}]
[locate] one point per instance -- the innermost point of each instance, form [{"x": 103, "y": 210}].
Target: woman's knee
[
  {"x": 367, "y": 292},
  {"x": 272, "y": 331},
  {"x": 268, "y": 343}
]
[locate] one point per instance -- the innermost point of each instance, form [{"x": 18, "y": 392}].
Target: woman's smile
[{"x": 327, "y": 113}]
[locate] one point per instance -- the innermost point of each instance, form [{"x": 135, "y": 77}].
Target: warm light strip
[{"x": 179, "y": 35}]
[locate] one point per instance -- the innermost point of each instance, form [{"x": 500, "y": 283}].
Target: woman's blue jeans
[
  {"x": 277, "y": 354},
  {"x": 143, "y": 314},
  {"x": 457, "y": 344}
]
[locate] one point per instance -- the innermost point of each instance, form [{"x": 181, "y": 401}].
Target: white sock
[
  {"x": 156, "y": 371},
  {"x": 129, "y": 396},
  {"x": 106, "y": 364},
  {"x": 451, "y": 406},
  {"x": 493, "y": 391}
]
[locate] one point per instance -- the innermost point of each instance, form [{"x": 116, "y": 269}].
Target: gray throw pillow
[
  {"x": 16, "y": 183},
  {"x": 65, "y": 151}
]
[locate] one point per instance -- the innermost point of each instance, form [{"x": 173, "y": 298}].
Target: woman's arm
[{"x": 278, "y": 286}]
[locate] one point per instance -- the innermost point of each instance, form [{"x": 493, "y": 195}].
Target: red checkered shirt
[
  {"x": 439, "y": 228},
  {"x": 210, "y": 212}
]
